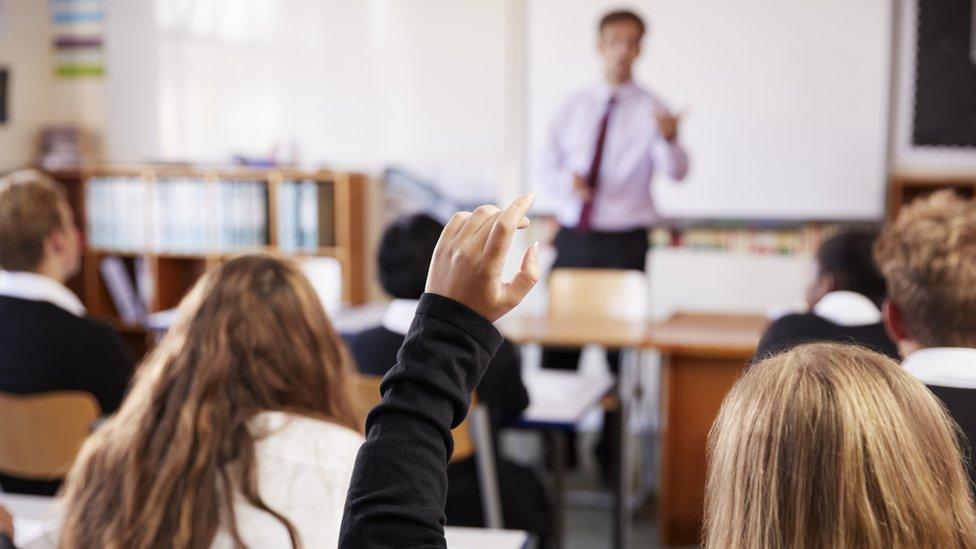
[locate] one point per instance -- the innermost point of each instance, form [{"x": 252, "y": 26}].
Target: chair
[
  {"x": 613, "y": 294},
  {"x": 43, "y": 432},
  {"x": 472, "y": 435}
]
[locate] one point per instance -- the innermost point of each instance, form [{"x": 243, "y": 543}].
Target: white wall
[
  {"x": 359, "y": 84},
  {"x": 24, "y": 38}
]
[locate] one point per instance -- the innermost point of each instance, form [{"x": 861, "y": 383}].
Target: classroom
[{"x": 487, "y": 274}]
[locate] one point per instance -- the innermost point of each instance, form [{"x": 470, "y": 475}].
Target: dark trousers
[{"x": 596, "y": 250}]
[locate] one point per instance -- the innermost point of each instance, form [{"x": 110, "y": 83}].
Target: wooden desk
[
  {"x": 573, "y": 332},
  {"x": 579, "y": 332},
  {"x": 702, "y": 357}
]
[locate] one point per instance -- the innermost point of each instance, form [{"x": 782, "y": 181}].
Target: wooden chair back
[
  {"x": 42, "y": 433},
  {"x": 613, "y": 294},
  {"x": 368, "y": 396}
]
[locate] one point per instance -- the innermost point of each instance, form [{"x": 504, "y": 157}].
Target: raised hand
[{"x": 468, "y": 260}]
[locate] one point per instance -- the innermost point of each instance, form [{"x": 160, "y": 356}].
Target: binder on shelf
[{"x": 122, "y": 290}]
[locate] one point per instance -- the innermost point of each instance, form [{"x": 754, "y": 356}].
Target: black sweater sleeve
[{"x": 399, "y": 483}]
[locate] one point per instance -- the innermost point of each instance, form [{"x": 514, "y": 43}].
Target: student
[
  {"x": 399, "y": 484},
  {"x": 239, "y": 429},
  {"x": 47, "y": 343},
  {"x": 845, "y": 299},
  {"x": 404, "y": 259},
  {"x": 928, "y": 257},
  {"x": 833, "y": 445}
]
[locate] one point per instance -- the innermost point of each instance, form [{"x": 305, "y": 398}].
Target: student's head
[
  {"x": 619, "y": 43},
  {"x": 404, "y": 255},
  {"x": 928, "y": 257},
  {"x": 833, "y": 445},
  {"x": 845, "y": 263},
  {"x": 251, "y": 336},
  {"x": 37, "y": 228}
]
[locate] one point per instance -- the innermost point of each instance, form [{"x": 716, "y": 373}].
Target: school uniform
[
  {"x": 47, "y": 343},
  {"x": 950, "y": 373},
  {"x": 839, "y": 317},
  {"x": 524, "y": 503}
]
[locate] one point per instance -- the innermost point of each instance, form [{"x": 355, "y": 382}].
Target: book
[{"x": 122, "y": 290}]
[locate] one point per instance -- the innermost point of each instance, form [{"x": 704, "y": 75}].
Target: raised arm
[
  {"x": 399, "y": 484},
  {"x": 669, "y": 156}
]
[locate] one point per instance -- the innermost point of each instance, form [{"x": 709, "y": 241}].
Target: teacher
[{"x": 603, "y": 150}]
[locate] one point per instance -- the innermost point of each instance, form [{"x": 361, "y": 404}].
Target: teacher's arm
[{"x": 399, "y": 483}]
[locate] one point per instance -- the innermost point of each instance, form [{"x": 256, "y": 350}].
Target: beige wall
[{"x": 25, "y": 52}]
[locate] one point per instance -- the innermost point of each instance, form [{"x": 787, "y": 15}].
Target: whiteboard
[{"x": 787, "y": 99}]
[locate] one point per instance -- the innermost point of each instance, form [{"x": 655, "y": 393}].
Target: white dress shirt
[
  {"x": 633, "y": 152},
  {"x": 399, "y": 315},
  {"x": 944, "y": 366},
  {"x": 38, "y": 287},
  {"x": 847, "y": 309}
]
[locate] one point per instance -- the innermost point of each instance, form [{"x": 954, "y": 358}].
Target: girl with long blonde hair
[
  {"x": 238, "y": 429},
  {"x": 835, "y": 446}
]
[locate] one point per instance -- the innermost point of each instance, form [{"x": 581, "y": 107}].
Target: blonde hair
[
  {"x": 163, "y": 472},
  {"x": 835, "y": 446},
  {"x": 928, "y": 257},
  {"x": 30, "y": 209}
]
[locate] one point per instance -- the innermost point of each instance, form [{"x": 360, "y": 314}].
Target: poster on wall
[
  {"x": 4, "y": 83},
  {"x": 78, "y": 30},
  {"x": 945, "y": 74}
]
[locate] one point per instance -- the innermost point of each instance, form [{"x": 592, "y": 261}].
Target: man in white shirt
[
  {"x": 604, "y": 147},
  {"x": 928, "y": 257},
  {"x": 47, "y": 343}
]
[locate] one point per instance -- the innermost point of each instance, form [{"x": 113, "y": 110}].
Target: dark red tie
[{"x": 593, "y": 178}]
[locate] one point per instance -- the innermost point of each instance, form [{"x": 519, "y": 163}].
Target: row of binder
[{"x": 181, "y": 215}]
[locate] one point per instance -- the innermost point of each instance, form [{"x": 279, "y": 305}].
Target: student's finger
[
  {"x": 526, "y": 278},
  {"x": 479, "y": 238},
  {"x": 454, "y": 224},
  {"x": 500, "y": 239},
  {"x": 481, "y": 215},
  {"x": 524, "y": 223}
]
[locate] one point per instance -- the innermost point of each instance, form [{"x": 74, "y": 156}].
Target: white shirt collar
[
  {"x": 604, "y": 90},
  {"x": 847, "y": 309},
  {"x": 944, "y": 366},
  {"x": 399, "y": 315},
  {"x": 37, "y": 287}
]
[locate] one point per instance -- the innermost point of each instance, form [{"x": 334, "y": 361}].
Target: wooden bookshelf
[
  {"x": 173, "y": 272},
  {"x": 907, "y": 186}
]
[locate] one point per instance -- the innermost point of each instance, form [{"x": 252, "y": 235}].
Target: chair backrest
[
  {"x": 598, "y": 293},
  {"x": 368, "y": 396},
  {"x": 42, "y": 433}
]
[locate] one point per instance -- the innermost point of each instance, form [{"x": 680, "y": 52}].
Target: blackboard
[{"x": 945, "y": 75}]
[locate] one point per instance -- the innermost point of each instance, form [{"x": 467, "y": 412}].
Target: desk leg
[
  {"x": 692, "y": 393},
  {"x": 622, "y": 487},
  {"x": 558, "y": 519}
]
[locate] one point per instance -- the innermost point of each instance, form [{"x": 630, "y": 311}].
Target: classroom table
[
  {"x": 702, "y": 355},
  {"x": 626, "y": 335},
  {"x": 558, "y": 402}
]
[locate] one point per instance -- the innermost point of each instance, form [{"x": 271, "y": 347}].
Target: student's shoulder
[{"x": 304, "y": 439}]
